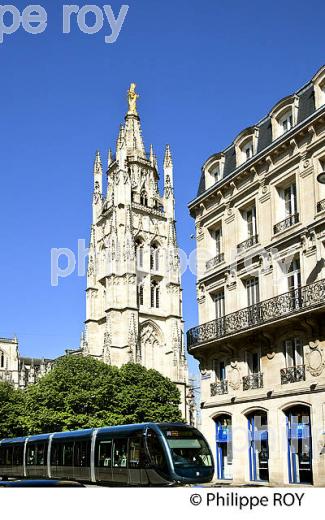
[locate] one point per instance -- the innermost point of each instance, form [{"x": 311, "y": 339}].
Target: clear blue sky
[{"x": 205, "y": 70}]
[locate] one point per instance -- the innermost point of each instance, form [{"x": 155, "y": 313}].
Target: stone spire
[
  {"x": 168, "y": 184},
  {"x": 133, "y": 131}
]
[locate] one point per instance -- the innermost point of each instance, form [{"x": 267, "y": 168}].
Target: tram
[{"x": 147, "y": 454}]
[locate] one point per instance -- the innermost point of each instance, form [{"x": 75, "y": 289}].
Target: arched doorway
[
  {"x": 258, "y": 446},
  {"x": 299, "y": 445},
  {"x": 224, "y": 447}
]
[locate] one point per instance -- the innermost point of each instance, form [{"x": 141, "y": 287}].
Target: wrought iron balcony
[
  {"x": 219, "y": 388},
  {"x": 214, "y": 261},
  {"x": 249, "y": 242},
  {"x": 286, "y": 223},
  {"x": 253, "y": 381},
  {"x": 291, "y": 303},
  {"x": 321, "y": 205},
  {"x": 292, "y": 374}
]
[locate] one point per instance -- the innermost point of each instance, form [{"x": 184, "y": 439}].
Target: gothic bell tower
[{"x": 134, "y": 296}]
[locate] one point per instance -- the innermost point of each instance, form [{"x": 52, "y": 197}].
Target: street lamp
[{"x": 321, "y": 177}]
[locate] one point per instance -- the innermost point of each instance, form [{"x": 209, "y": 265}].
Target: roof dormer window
[
  {"x": 213, "y": 169},
  {"x": 284, "y": 116},
  {"x": 246, "y": 145},
  {"x": 319, "y": 88}
]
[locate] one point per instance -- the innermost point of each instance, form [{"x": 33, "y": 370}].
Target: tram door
[
  {"x": 258, "y": 447},
  {"x": 224, "y": 448},
  {"x": 299, "y": 446}
]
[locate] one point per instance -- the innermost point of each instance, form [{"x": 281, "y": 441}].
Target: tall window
[
  {"x": 294, "y": 275},
  {"x": 217, "y": 235},
  {"x": 215, "y": 172},
  {"x": 293, "y": 351},
  {"x": 155, "y": 295},
  {"x": 250, "y": 218},
  {"x": 290, "y": 200},
  {"x": 144, "y": 199},
  {"x": 154, "y": 257},
  {"x": 253, "y": 292},
  {"x": 219, "y": 301},
  {"x": 2, "y": 359},
  {"x": 139, "y": 253},
  {"x": 253, "y": 362},
  {"x": 219, "y": 370},
  {"x": 140, "y": 294}
]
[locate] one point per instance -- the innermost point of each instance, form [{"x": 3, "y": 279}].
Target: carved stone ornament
[
  {"x": 234, "y": 379},
  {"x": 270, "y": 355},
  {"x": 306, "y": 163},
  {"x": 315, "y": 361}
]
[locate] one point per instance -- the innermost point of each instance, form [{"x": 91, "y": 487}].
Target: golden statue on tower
[{"x": 132, "y": 98}]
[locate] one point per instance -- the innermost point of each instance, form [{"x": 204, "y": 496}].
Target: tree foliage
[
  {"x": 11, "y": 411},
  {"x": 81, "y": 392}
]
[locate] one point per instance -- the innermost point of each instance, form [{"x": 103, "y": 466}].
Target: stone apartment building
[{"x": 260, "y": 231}]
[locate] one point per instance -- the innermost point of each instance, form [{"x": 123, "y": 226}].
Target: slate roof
[{"x": 306, "y": 108}]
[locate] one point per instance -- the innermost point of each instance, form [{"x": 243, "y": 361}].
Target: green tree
[
  {"x": 11, "y": 410},
  {"x": 81, "y": 392}
]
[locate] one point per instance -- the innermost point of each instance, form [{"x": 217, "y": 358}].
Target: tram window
[
  {"x": 2, "y": 456},
  {"x": 136, "y": 453},
  {"x": 157, "y": 455},
  {"x": 36, "y": 454},
  {"x": 17, "y": 457},
  {"x": 120, "y": 453},
  {"x": 82, "y": 454},
  {"x": 105, "y": 454},
  {"x": 8, "y": 456},
  {"x": 55, "y": 455},
  {"x": 187, "y": 448},
  {"x": 67, "y": 454}
]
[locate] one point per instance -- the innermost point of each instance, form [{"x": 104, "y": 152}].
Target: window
[
  {"x": 250, "y": 218},
  {"x": 154, "y": 257},
  {"x": 294, "y": 275},
  {"x": 290, "y": 200},
  {"x": 248, "y": 151},
  {"x": 136, "y": 453},
  {"x": 82, "y": 454},
  {"x": 253, "y": 292},
  {"x": 155, "y": 295},
  {"x": 17, "y": 455},
  {"x": 156, "y": 453},
  {"x": 133, "y": 196},
  {"x": 62, "y": 453},
  {"x": 144, "y": 199},
  {"x": 220, "y": 370},
  {"x": 215, "y": 172},
  {"x": 36, "y": 454},
  {"x": 253, "y": 362},
  {"x": 105, "y": 454},
  {"x": 2, "y": 359},
  {"x": 286, "y": 122},
  {"x": 140, "y": 294},
  {"x": 139, "y": 253},
  {"x": 217, "y": 235},
  {"x": 293, "y": 351},
  {"x": 219, "y": 300},
  {"x": 120, "y": 453}
]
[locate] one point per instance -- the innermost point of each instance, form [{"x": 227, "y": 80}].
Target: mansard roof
[{"x": 306, "y": 107}]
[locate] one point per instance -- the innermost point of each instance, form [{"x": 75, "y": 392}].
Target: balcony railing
[
  {"x": 292, "y": 374},
  {"x": 219, "y": 388},
  {"x": 253, "y": 381},
  {"x": 298, "y": 300},
  {"x": 321, "y": 205},
  {"x": 286, "y": 223},
  {"x": 210, "y": 264},
  {"x": 251, "y": 241}
]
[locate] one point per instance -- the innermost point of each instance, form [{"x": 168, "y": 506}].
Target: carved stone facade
[
  {"x": 261, "y": 334},
  {"x": 134, "y": 295},
  {"x": 17, "y": 370}
]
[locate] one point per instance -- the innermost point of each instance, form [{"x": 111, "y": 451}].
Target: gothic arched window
[
  {"x": 154, "y": 257},
  {"x": 144, "y": 198},
  {"x": 155, "y": 294},
  {"x": 139, "y": 252},
  {"x": 2, "y": 359}
]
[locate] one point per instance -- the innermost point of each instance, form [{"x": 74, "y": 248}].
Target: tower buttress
[
  {"x": 98, "y": 187},
  {"x": 169, "y": 184}
]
